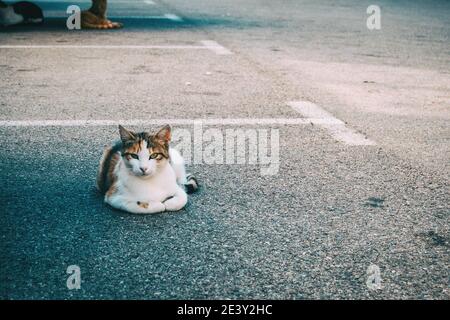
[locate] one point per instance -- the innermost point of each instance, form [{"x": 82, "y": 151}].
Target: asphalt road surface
[{"x": 362, "y": 182}]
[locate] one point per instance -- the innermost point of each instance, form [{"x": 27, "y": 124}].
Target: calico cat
[
  {"x": 19, "y": 13},
  {"x": 142, "y": 174}
]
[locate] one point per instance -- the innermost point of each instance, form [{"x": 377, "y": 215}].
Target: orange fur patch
[
  {"x": 106, "y": 177},
  {"x": 112, "y": 189},
  {"x": 134, "y": 148}
]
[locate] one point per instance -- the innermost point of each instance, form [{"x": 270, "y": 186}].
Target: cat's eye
[
  {"x": 133, "y": 155},
  {"x": 156, "y": 156}
]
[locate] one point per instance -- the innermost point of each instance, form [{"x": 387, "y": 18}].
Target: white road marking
[
  {"x": 215, "y": 47},
  {"x": 313, "y": 115},
  {"x": 150, "y": 2},
  {"x": 173, "y": 17},
  {"x": 206, "y": 44},
  {"x": 335, "y": 127},
  {"x": 100, "y": 47},
  {"x": 203, "y": 121}
]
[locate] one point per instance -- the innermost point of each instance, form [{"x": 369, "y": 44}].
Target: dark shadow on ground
[{"x": 138, "y": 24}]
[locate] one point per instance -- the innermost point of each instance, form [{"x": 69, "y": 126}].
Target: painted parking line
[
  {"x": 312, "y": 114},
  {"x": 143, "y": 122},
  {"x": 173, "y": 17},
  {"x": 205, "y": 45},
  {"x": 52, "y": 46},
  {"x": 335, "y": 127},
  {"x": 215, "y": 47}
]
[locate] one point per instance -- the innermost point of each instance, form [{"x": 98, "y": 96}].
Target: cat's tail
[
  {"x": 191, "y": 184},
  {"x": 187, "y": 180}
]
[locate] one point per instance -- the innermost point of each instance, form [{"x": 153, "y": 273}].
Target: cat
[
  {"x": 21, "y": 12},
  {"x": 141, "y": 174}
]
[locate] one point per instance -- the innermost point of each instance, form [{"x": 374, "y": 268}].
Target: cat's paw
[
  {"x": 175, "y": 204},
  {"x": 158, "y": 207}
]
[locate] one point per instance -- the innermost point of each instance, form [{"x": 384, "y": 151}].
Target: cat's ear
[
  {"x": 164, "y": 134},
  {"x": 126, "y": 135}
]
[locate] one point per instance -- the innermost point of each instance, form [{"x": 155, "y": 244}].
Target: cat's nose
[{"x": 143, "y": 169}]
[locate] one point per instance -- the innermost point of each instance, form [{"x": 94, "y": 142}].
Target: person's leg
[{"x": 95, "y": 17}]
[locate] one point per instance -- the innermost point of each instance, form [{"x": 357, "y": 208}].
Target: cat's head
[{"x": 144, "y": 153}]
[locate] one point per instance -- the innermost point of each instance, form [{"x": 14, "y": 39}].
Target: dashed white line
[
  {"x": 150, "y": 2},
  {"x": 335, "y": 127}
]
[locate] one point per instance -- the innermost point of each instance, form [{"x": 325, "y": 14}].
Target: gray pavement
[{"x": 310, "y": 231}]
